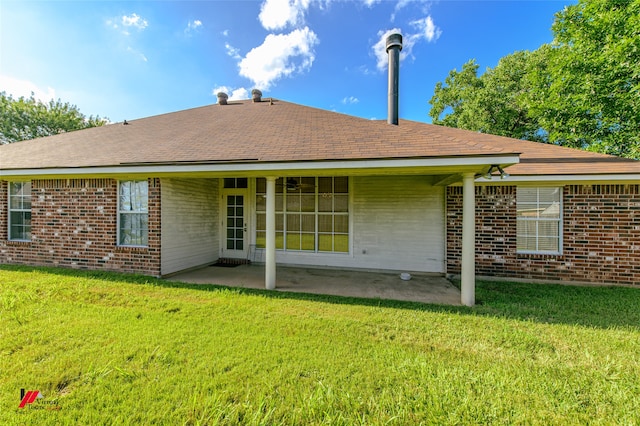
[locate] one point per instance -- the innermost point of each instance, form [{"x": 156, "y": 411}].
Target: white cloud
[
  {"x": 371, "y": 3},
  {"x": 401, "y": 4},
  {"x": 140, "y": 55},
  {"x": 238, "y": 94},
  {"x": 427, "y": 29},
  {"x": 350, "y": 100},
  {"x": 23, "y": 88},
  {"x": 131, "y": 21},
  {"x": 225, "y": 33},
  {"x": 278, "y": 56},
  {"x": 193, "y": 26},
  {"x": 380, "y": 48},
  {"x": 232, "y": 51},
  {"x": 134, "y": 20},
  {"x": 111, "y": 23},
  {"x": 278, "y": 14},
  {"x": 234, "y": 94}
]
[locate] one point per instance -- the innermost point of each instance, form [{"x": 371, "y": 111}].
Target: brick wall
[
  {"x": 601, "y": 235},
  {"x": 74, "y": 224},
  {"x": 4, "y": 231}
]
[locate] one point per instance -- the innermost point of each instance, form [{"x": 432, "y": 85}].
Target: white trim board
[
  {"x": 347, "y": 167},
  {"x": 562, "y": 179}
]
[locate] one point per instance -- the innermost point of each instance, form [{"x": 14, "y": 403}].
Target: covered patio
[{"x": 423, "y": 287}]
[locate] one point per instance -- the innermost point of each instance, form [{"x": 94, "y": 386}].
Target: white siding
[
  {"x": 189, "y": 223},
  {"x": 398, "y": 223}
]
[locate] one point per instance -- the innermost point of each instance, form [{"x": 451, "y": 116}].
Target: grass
[{"x": 117, "y": 349}]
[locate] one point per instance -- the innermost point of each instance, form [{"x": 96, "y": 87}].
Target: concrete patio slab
[{"x": 425, "y": 288}]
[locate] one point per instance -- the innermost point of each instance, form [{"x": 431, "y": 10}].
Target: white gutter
[
  {"x": 563, "y": 178},
  {"x": 259, "y": 169}
]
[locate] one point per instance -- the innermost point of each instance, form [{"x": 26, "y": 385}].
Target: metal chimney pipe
[{"x": 394, "y": 46}]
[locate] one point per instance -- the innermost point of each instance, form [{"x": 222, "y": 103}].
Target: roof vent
[
  {"x": 222, "y": 98},
  {"x": 256, "y": 95}
]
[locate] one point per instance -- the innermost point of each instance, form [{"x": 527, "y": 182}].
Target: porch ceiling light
[
  {"x": 494, "y": 167},
  {"x": 292, "y": 184},
  {"x": 487, "y": 175},
  {"x": 503, "y": 174}
]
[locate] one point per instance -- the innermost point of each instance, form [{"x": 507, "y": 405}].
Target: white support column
[
  {"x": 270, "y": 258},
  {"x": 468, "y": 273}
]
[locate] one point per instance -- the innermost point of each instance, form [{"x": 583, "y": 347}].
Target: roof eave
[
  {"x": 566, "y": 178},
  {"x": 412, "y": 165}
]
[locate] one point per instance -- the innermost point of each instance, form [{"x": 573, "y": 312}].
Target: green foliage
[
  {"x": 116, "y": 349},
  {"x": 495, "y": 102},
  {"x": 581, "y": 91},
  {"x": 593, "y": 101},
  {"x": 28, "y": 118},
  {"x": 457, "y": 94}
]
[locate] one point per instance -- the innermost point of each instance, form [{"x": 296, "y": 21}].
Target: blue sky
[{"x": 126, "y": 60}]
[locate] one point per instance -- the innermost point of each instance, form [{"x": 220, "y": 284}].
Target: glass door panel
[{"x": 235, "y": 244}]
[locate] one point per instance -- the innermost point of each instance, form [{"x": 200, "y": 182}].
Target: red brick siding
[
  {"x": 74, "y": 224},
  {"x": 4, "y": 212},
  {"x": 601, "y": 235}
]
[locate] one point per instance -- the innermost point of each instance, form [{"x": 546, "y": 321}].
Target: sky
[{"x": 128, "y": 60}]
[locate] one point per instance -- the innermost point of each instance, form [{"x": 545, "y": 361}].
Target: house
[{"x": 274, "y": 182}]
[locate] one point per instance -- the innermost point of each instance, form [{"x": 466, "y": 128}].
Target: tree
[
  {"x": 496, "y": 102},
  {"x": 453, "y": 103},
  {"x": 593, "y": 95},
  {"x": 28, "y": 118},
  {"x": 582, "y": 90}
]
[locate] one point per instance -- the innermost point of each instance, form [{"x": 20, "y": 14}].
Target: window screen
[
  {"x": 20, "y": 211},
  {"x": 539, "y": 225},
  {"x": 133, "y": 226}
]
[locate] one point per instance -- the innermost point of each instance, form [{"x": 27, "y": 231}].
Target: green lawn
[{"x": 116, "y": 349}]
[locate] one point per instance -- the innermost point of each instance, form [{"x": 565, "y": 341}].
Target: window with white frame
[
  {"x": 133, "y": 215},
  {"x": 312, "y": 214},
  {"x": 539, "y": 223},
  {"x": 236, "y": 183},
  {"x": 20, "y": 211}
]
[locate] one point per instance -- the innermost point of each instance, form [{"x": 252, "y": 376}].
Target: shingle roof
[
  {"x": 282, "y": 131},
  {"x": 542, "y": 159}
]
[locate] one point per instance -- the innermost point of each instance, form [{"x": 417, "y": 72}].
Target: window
[
  {"x": 312, "y": 214},
  {"x": 20, "y": 211},
  {"x": 539, "y": 226},
  {"x": 237, "y": 183},
  {"x": 133, "y": 216}
]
